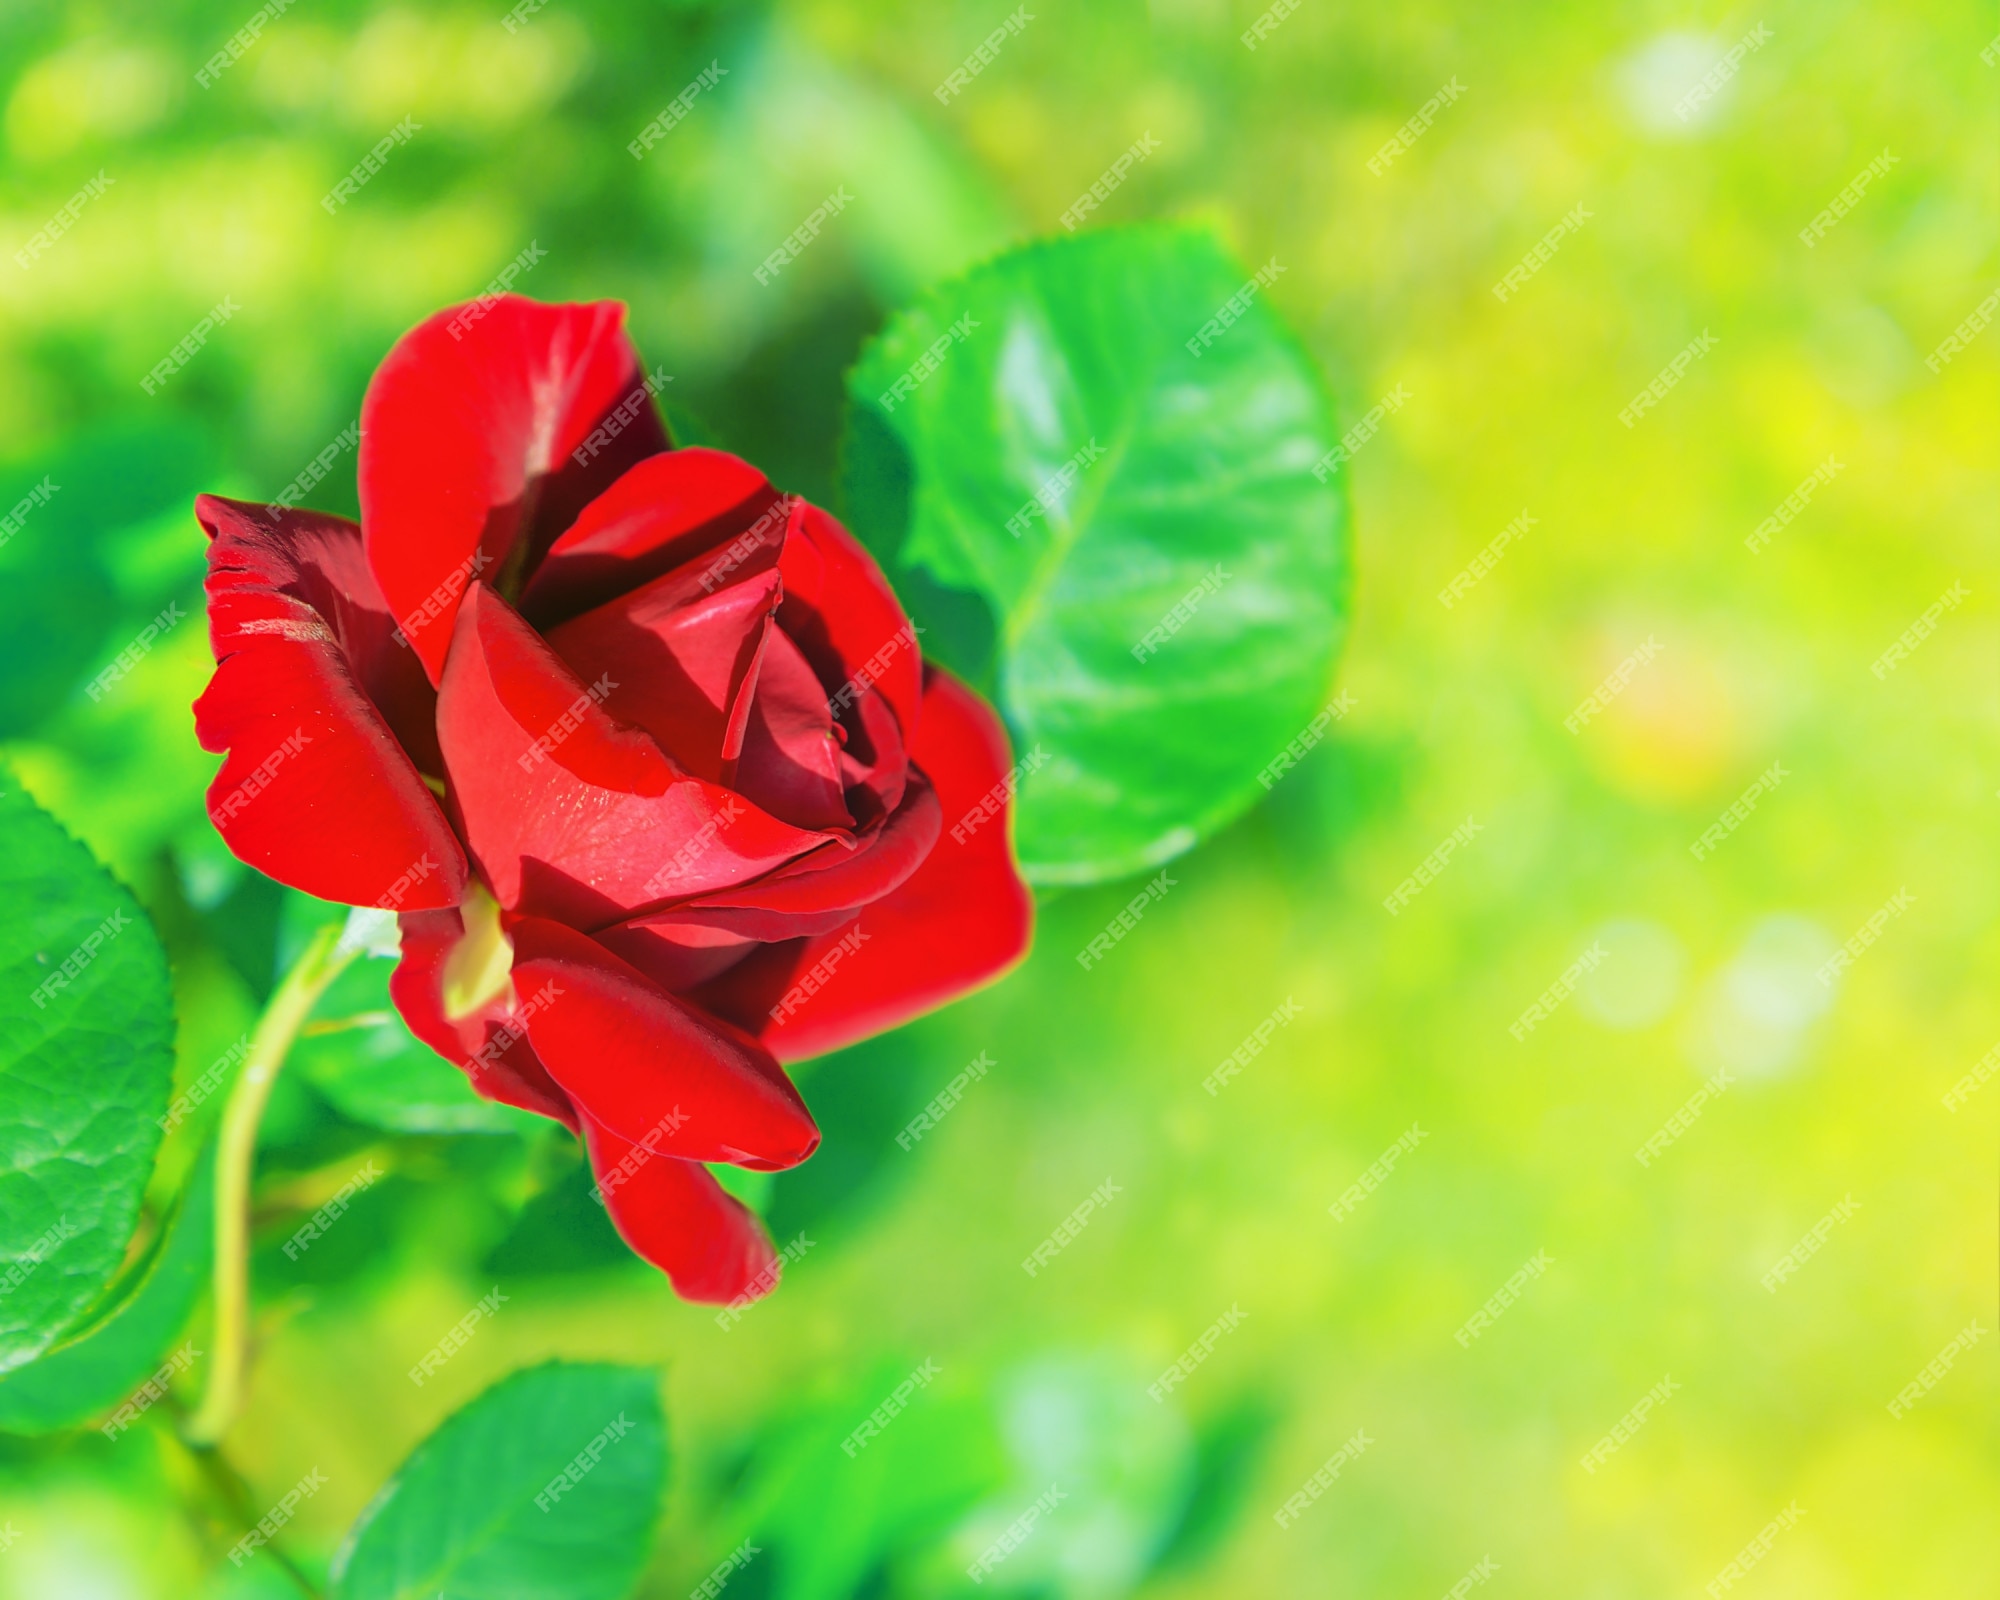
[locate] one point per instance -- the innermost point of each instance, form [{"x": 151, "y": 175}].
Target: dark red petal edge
[{"x": 316, "y": 790}]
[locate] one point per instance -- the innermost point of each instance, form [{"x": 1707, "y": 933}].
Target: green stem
[
  {"x": 360, "y": 1019},
  {"x": 322, "y": 962},
  {"x": 232, "y": 1494}
]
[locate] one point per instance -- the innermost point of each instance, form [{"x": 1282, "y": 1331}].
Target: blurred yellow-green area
[{"x": 1701, "y": 1275}]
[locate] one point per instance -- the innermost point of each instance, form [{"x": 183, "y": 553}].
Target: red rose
[{"x": 644, "y": 752}]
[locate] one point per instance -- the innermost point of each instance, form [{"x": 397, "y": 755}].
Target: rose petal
[
  {"x": 790, "y": 760},
  {"x": 874, "y": 766},
  {"x": 818, "y": 892},
  {"x": 959, "y": 921},
  {"x": 669, "y": 511},
  {"x": 487, "y": 1046},
  {"x": 681, "y": 665},
  {"x": 684, "y": 946},
  {"x": 679, "y": 950},
  {"x": 317, "y": 792},
  {"x": 675, "y": 1215},
  {"x": 843, "y": 615},
  {"x": 570, "y": 813},
  {"x": 482, "y": 439},
  {"x": 649, "y": 1067}
]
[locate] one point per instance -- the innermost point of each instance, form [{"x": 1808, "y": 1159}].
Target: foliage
[{"x": 915, "y": 1245}]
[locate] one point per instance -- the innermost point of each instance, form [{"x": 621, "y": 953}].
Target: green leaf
[
  {"x": 1228, "y": 1453},
  {"x": 482, "y": 1511},
  {"x": 862, "y": 1097},
  {"x": 687, "y": 427},
  {"x": 375, "y": 1071},
  {"x": 561, "y": 1230},
  {"x": 797, "y": 128},
  {"x": 1167, "y": 476},
  {"x": 838, "y": 1515},
  {"x": 85, "y": 1069},
  {"x": 1082, "y": 1420},
  {"x": 100, "y": 1367},
  {"x": 63, "y": 566}
]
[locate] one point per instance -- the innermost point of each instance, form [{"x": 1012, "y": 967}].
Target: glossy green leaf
[
  {"x": 546, "y": 1487},
  {"x": 86, "y": 1060},
  {"x": 1080, "y": 471},
  {"x": 99, "y": 1367}
]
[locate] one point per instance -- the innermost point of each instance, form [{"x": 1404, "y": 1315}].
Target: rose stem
[
  {"x": 323, "y": 961},
  {"x": 229, "y": 1491}
]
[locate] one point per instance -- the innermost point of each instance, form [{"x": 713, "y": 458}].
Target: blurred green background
[{"x": 1528, "y": 1146}]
